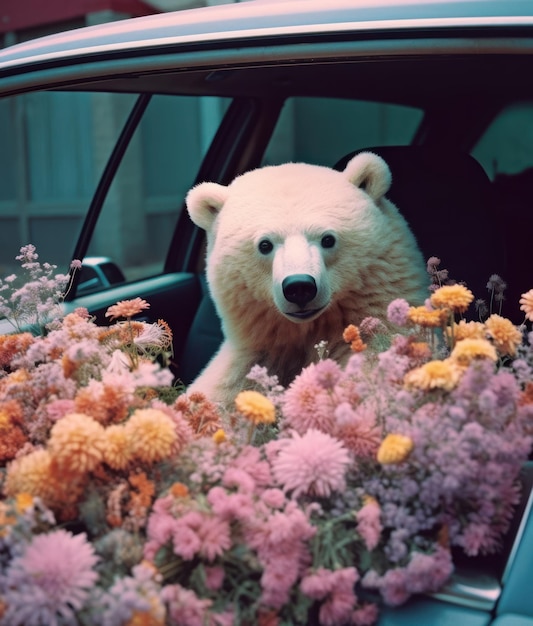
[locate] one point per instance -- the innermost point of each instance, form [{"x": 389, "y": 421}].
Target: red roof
[{"x": 16, "y": 15}]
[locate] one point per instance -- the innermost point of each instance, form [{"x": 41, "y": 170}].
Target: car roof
[{"x": 262, "y": 18}]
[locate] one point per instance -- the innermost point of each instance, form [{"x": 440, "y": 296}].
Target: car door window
[{"x": 56, "y": 146}]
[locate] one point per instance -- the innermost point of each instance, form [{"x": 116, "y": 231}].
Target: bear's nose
[{"x": 299, "y": 288}]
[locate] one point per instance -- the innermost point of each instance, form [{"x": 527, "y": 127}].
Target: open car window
[{"x": 58, "y": 144}]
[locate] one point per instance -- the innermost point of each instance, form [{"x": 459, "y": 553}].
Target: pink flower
[
  {"x": 186, "y": 542},
  {"x": 214, "y": 577},
  {"x": 336, "y": 589},
  {"x": 52, "y": 578},
  {"x": 185, "y": 607},
  {"x": 369, "y": 523},
  {"x": 277, "y": 580},
  {"x": 313, "y": 464},
  {"x": 56, "y": 409},
  {"x": 215, "y": 537},
  {"x": 274, "y": 498},
  {"x": 306, "y": 404},
  {"x": 366, "y": 615}
]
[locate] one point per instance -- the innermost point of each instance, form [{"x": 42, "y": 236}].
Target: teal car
[{"x": 104, "y": 130}]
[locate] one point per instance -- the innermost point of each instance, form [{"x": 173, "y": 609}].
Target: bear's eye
[
  {"x": 265, "y": 246},
  {"x": 328, "y": 241}
]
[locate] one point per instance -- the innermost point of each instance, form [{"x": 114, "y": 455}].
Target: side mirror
[{"x": 97, "y": 274}]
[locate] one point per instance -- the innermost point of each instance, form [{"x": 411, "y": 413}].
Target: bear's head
[{"x": 291, "y": 240}]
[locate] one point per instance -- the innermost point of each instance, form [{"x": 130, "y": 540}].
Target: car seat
[{"x": 448, "y": 202}]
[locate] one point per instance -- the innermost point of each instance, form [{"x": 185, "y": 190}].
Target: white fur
[{"x": 294, "y": 206}]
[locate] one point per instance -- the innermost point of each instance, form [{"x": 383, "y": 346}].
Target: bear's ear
[
  {"x": 369, "y": 172},
  {"x": 204, "y": 203}
]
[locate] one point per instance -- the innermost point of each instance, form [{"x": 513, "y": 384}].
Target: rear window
[{"x": 322, "y": 130}]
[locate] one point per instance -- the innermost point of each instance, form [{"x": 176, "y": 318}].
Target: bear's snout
[{"x": 299, "y": 289}]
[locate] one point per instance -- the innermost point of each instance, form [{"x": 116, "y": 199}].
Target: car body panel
[{"x": 257, "y": 20}]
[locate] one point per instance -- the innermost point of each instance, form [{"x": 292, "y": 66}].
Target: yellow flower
[
  {"x": 526, "y": 304},
  {"x": 220, "y": 436},
  {"x": 117, "y": 450},
  {"x": 427, "y": 318},
  {"x": 394, "y": 449},
  {"x": 434, "y": 375},
  {"x": 468, "y": 330},
  {"x": 127, "y": 308},
  {"x": 35, "y": 474},
  {"x": 454, "y": 297},
  {"x": 255, "y": 407},
  {"x": 152, "y": 435},
  {"x": 77, "y": 443},
  {"x": 23, "y": 501},
  {"x": 467, "y": 350},
  {"x": 505, "y": 334}
]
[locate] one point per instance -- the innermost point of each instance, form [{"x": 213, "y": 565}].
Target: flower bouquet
[{"x": 126, "y": 502}]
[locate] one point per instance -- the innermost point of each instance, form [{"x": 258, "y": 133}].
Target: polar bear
[{"x": 295, "y": 253}]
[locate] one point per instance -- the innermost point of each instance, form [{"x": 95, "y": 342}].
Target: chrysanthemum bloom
[
  {"x": 313, "y": 464},
  {"x": 526, "y": 304},
  {"x": 255, "y": 407},
  {"x": 468, "y": 350},
  {"x": 427, "y": 318},
  {"x": 127, "y": 308},
  {"x": 468, "y": 330},
  {"x": 11, "y": 345},
  {"x": 434, "y": 375},
  {"x": 36, "y": 474},
  {"x": 457, "y": 298},
  {"x": 504, "y": 333},
  {"x": 117, "y": 450},
  {"x": 395, "y": 448},
  {"x": 152, "y": 435},
  {"x": 77, "y": 443},
  {"x": 105, "y": 402},
  {"x": 352, "y": 336},
  {"x": 51, "y": 580}
]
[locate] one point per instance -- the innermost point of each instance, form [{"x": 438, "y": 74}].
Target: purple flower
[
  {"x": 397, "y": 312},
  {"x": 50, "y": 581}
]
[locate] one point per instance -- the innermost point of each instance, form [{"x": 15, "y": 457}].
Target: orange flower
[
  {"x": 77, "y": 443},
  {"x": 468, "y": 330},
  {"x": 127, "y": 308},
  {"x": 427, "y": 318},
  {"x": 457, "y": 298},
  {"x": 152, "y": 435},
  {"x": 11, "y": 345},
  {"x": 394, "y": 449},
  {"x": 219, "y": 436},
  {"x": 434, "y": 375},
  {"x": 352, "y": 335},
  {"x": 179, "y": 490},
  {"x": 468, "y": 350},
  {"x": 526, "y": 304},
  {"x": 36, "y": 474},
  {"x": 504, "y": 333},
  {"x": 116, "y": 450}
]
